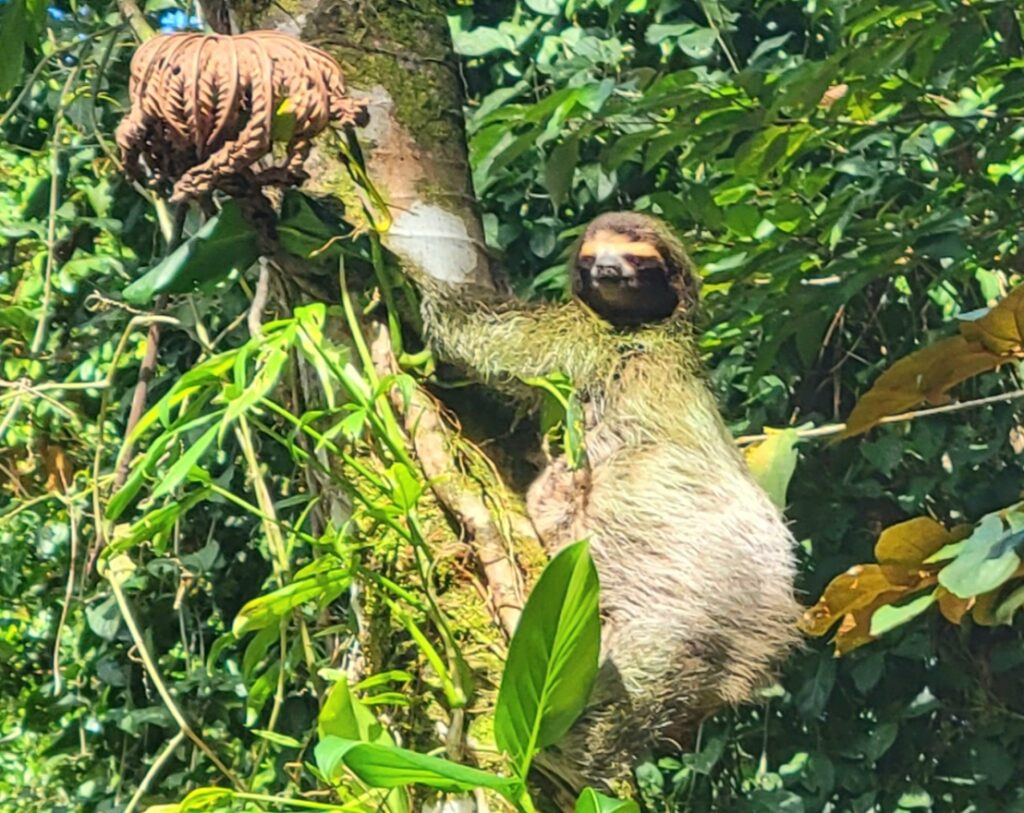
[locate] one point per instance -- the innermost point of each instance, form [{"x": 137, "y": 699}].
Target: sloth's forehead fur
[{"x": 610, "y": 241}]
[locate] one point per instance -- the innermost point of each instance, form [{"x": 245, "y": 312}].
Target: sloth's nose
[{"x": 606, "y": 269}]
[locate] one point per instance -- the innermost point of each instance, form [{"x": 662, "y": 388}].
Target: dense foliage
[{"x": 847, "y": 174}]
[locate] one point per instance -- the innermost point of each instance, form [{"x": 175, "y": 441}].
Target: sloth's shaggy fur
[{"x": 696, "y": 564}]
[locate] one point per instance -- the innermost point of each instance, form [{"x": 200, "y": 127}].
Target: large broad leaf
[
  {"x": 344, "y": 716},
  {"x": 591, "y": 801},
  {"x": 553, "y": 658},
  {"x": 20, "y": 24},
  {"x": 301, "y": 231},
  {"x": 387, "y": 766},
  {"x": 986, "y": 341},
  {"x": 225, "y": 243},
  {"x": 989, "y": 556}
]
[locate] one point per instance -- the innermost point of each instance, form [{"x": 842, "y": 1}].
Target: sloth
[{"x": 696, "y": 564}]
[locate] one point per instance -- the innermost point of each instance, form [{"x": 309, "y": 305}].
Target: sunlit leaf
[
  {"x": 590, "y": 801},
  {"x": 323, "y": 586},
  {"x": 989, "y": 558},
  {"x": 910, "y": 543},
  {"x": 384, "y": 766},
  {"x": 552, "y": 659},
  {"x": 773, "y": 461}
]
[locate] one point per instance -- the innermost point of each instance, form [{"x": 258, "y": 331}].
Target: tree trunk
[{"x": 399, "y": 55}]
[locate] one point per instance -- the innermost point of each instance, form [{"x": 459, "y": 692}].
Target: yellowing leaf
[
  {"x": 910, "y": 543},
  {"x": 953, "y": 608},
  {"x": 773, "y": 461},
  {"x": 983, "y": 611},
  {"x": 926, "y": 375},
  {"x": 1001, "y": 330},
  {"x": 862, "y": 587},
  {"x": 922, "y": 377},
  {"x": 282, "y": 125}
]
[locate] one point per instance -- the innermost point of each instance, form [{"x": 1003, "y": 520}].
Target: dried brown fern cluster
[{"x": 204, "y": 107}]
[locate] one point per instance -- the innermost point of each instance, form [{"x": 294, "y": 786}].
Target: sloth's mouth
[{"x": 629, "y": 299}]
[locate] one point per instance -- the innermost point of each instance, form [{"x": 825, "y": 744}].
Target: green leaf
[
  {"x": 104, "y": 618},
  {"x": 987, "y": 559},
  {"x": 892, "y": 615},
  {"x": 387, "y": 766},
  {"x": 276, "y": 738},
  {"x": 153, "y": 523},
  {"x": 590, "y": 801},
  {"x": 180, "y": 470},
  {"x": 226, "y": 243},
  {"x": 343, "y": 715},
  {"x": 550, "y": 8},
  {"x": 407, "y": 489},
  {"x": 552, "y": 659},
  {"x": 481, "y": 41},
  {"x": 1010, "y": 605},
  {"x": 301, "y": 231},
  {"x": 560, "y": 169},
  {"x": 324, "y": 586},
  {"x": 20, "y": 22},
  {"x": 263, "y": 381},
  {"x": 743, "y": 219}
]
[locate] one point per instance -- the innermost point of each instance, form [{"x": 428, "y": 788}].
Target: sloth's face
[{"x": 623, "y": 278}]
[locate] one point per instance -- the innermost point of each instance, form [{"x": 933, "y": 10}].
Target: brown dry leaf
[
  {"x": 1001, "y": 330},
  {"x": 953, "y": 608},
  {"x": 922, "y": 377},
  {"x": 983, "y": 611},
  {"x": 59, "y": 469},
  {"x": 910, "y": 543},
  {"x": 833, "y": 95},
  {"x": 853, "y": 632},
  {"x": 926, "y": 375},
  {"x": 862, "y": 587}
]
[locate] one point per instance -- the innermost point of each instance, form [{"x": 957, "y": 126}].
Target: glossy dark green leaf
[
  {"x": 552, "y": 659},
  {"x": 225, "y": 244}
]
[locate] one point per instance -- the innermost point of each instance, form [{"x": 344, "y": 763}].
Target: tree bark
[{"x": 399, "y": 55}]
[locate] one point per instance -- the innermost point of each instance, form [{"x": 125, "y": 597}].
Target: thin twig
[
  {"x": 836, "y": 428},
  {"x": 32, "y": 77},
  {"x": 69, "y": 589},
  {"x": 154, "y": 771},
  {"x": 136, "y": 19},
  {"x": 146, "y": 368},
  {"x": 116, "y": 575}
]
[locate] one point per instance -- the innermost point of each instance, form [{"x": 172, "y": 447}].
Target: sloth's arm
[{"x": 500, "y": 338}]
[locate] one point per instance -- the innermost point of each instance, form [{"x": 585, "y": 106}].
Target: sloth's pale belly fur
[{"x": 696, "y": 569}]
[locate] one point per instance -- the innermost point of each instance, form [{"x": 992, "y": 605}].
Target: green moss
[{"x": 404, "y": 47}]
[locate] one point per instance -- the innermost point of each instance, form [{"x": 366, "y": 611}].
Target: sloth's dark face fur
[{"x": 630, "y": 271}]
